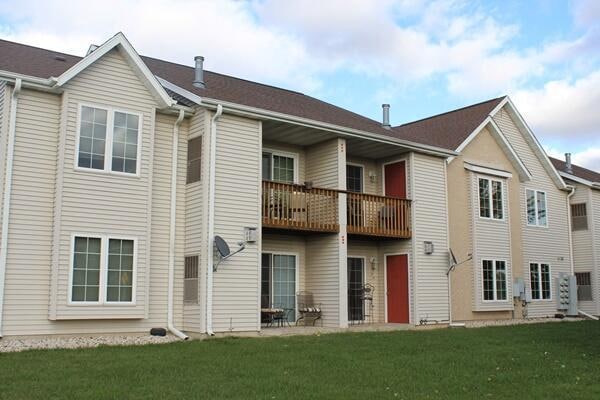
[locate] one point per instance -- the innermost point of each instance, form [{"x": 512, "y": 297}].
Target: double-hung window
[
  {"x": 103, "y": 270},
  {"x": 278, "y": 167},
  {"x": 494, "y": 280},
  {"x": 539, "y": 279},
  {"x": 536, "y": 208},
  {"x": 491, "y": 199},
  {"x": 109, "y": 140}
]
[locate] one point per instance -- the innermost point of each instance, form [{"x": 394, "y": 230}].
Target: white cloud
[{"x": 564, "y": 108}]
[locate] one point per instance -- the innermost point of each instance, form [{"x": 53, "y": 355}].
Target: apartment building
[
  {"x": 508, "y": 212},
  {"x": 119, "y": 170},
  {"x": 585, "y": 227}
]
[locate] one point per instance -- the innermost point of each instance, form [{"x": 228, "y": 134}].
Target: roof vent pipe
[
  {"x": 568, "y": 162},
  {"x": 386, "y": 116},
  {"x": 199, "y": 72}
]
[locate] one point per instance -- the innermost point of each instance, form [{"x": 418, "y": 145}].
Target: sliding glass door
[{"x": 278, "y": 283}]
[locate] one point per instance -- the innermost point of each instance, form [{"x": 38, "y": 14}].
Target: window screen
[
  {"x": 194, "y": 156},
  {"x": 579, "y": 220}
]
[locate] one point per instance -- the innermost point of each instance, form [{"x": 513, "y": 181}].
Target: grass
[{"x": 554, "y": 360}]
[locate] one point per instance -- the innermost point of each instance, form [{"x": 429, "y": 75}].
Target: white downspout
[
  {"x": 572, "y": 188},
  {"x": 173, "y": 223},
  {"x": 7, "y": 191},
  {"x": 211, "y": 219}
]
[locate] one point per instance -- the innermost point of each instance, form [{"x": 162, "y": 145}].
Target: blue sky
[{"x": 422, "y": 57}]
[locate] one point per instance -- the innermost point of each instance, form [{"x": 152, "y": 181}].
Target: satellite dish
[
  {"x": 224, "y": 251},
  {"x": 222, "y": 247}
]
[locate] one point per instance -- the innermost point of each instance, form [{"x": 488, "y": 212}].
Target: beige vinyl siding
[
  {"x": 30, "y": 230},
  {"x": 195, "y": 228},
  {"x": 4, "y": 115},
  {"x": 322, "y": 164},
  {"x": 322, "y": 275},
  {"x": 583, "y": 246},
  {"x": 543, "y": 245},
  {"x": 595, "y": 217},
  {"x": 236, "y": 283},
  {"x": 492, "y": 242},
  {"x": 430, "y": 224},
  {"x": 298, "y": 151}
]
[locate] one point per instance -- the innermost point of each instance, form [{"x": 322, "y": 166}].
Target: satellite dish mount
[{"x": 223, "y": 250}]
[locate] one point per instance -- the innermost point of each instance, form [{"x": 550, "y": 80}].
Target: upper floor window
[
  {"x": 354, "y": 178},
  {"x": 105, "y": 131},
  {"x": 539, "y": 278},
  {"x": 278, "y": 167},
  {"x": 536, "y": 208},
  {"x": 490, "y": 199},
  {"x": 579, "y": 220},
  {"x": 494, "y": 280}
]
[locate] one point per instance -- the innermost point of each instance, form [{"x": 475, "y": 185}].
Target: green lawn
[{"x": 554, "y": 360}]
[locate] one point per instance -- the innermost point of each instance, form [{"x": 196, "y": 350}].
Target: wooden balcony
[
  {"x": 298, "y": 208},
  {"x": 381, "y": 216},
  {"x": 295, "y": 207}
]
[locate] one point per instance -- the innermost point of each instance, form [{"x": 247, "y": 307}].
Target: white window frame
[
  {"x": 535, "y": 193},
  {"x": 104, "y": 241},
  {"x": 539, "y": 274},
  {"x": 293, "y": 156},
  {"x": 110, "y": 127},
  {"x": 491, "y": 200},
  {"x": 495, "y": 299},
  {"x": 362, "y": 175}
]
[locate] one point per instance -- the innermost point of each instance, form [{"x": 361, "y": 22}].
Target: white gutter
[
  {"x": 173, "y": 222},
  {"x": 7, "y": 190},
  {"x": 572, "y": 192},
  {"x": 211, "y": 219}
]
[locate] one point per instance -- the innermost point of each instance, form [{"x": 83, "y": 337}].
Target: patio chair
[{"x": 308, "y": 310}]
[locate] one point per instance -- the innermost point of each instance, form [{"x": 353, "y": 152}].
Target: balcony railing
[
  {"x": 382, "y": 216},
  {"x": 296, "y": 207}
]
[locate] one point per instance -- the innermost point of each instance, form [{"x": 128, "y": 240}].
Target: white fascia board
[
  {"x": 487, "y": 170},
  {"x": 119, "y": 40},
  {"x": 243, "y": 110},
  {"x": 524, "y": 173},
  {"x": 577, "y": 179},
  {"x": 535, "y": 144}
]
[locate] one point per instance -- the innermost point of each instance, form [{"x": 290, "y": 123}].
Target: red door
[
  {"x": 395, "y": 179},
  {"x": 397, "y": 288}
]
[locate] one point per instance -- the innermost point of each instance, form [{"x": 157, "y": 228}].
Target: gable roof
[
  {"x": 42, "y": 63},
  {"x": 449, "y": 129},
  {"x": 592, "y": 177}
]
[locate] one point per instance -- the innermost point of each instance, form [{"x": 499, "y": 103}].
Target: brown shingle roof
[
  {"x": 578, "y": 171},
  {"x": 34, "y": 61},
  {"x": 450, "y": 129}
]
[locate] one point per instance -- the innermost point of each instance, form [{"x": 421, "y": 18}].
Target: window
[
  {"x": 356, "y": 285},
  {"x": 579, "y": 220},
  {"x": 278, "y": 168},
  {"x": 103, "y": 270},
  {"x": 494, "y": 280},
  {"x": 584, "y": 286},
  {"x": 539, "y": 278},
  {"x": 190, "y": 276},
  {"x": 278, "y": 283},
  {"x": 103, "y": 131},
  {"x": 536, "y": 208},
  {"x": 354, "y": 178},
  {"x": 194, "y": 160},
  {"x": 490, "y": 199}
]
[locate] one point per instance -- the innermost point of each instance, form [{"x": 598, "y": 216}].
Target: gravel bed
[
  {"x": 13, "y": 345},
  {"x": 506, "y": 322}
]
